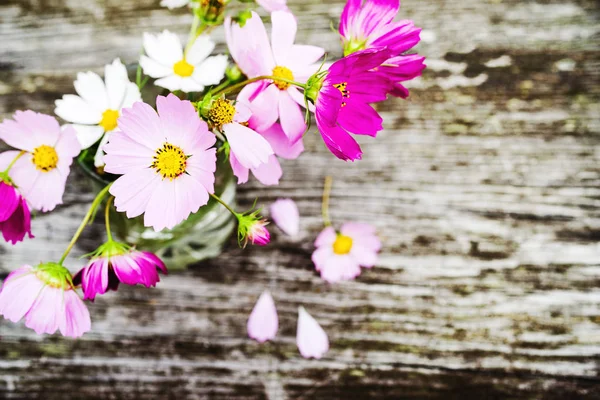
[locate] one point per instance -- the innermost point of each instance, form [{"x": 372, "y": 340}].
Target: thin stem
[
  {"x": 107, "y": 218},
  {"x": 325, "y": 203},
  {"x": 14, "y": 161},
  {"x": 85, "y": 221},
  {"x": 258, "y": 78},
  {"x": 220, "y": 87},
  {"x": 231, "y": 210},
  {"x": 192, "y": 35}
]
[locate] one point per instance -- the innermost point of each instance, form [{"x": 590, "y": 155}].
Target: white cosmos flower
[
  {"x": 95, "y": 110},
  {"x": 171, "y": 4},
  {"x": 190, "y": 72}
]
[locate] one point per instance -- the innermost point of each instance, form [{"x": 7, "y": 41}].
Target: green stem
[
  {"x": 85, "y": 221},
  {"x": 231, "y": 210},
  {"x": 13, "y": 162},
  {"x": 258, "y": 78},
  {"x": 195, "y": 30},
  {"x": 220, "y": 87},
  {"x": 325, "y": 204},
  {"x": 107, "y": 218}
]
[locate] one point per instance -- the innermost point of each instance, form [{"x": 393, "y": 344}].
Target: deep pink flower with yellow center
[
  {"x": 342, "y": 96},
  {"x": 41, "y": 172},
  {"x": 45, "y": 297},
  {"x": 339, "y": 255},
  {"x": 370, "y": 24},
  {"x": 166, "y": 160},
  {"x": 256, "y": 56}
]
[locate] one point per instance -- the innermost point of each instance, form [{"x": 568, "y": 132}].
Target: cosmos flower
[
  {"x": 263, "y": 321},
  {"x": 190, "y": 71},
  {"x": 15, "y": 218},
  {"x": 46, "y": 299},
  {"x": 114, "y": 263},
  {"x": 94, "y": 112},
  {"x": 41, "y": 172},
  {"x": 252, "y": 228},
  {"x": 248, "y": 148},
  {"x": 284, "y": 213},
  {"x": 250, "y": 48},
  {"x": 165, "y": 159},
  {"x": 311, "y": 339},
  {"x": 339, "y": 256},
  {"x": 342, "y": 97},
  {"x": 370, "y": 24}
]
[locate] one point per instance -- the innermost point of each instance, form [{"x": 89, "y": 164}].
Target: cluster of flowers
[{"x": 163, "y": 161}]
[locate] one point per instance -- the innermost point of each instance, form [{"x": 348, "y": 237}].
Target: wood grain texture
[{"x": 485, "y": 187}]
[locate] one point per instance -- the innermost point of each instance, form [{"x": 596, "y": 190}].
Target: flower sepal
[{"x": 54, "y": 275}]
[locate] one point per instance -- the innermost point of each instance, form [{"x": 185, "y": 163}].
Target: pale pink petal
[
  {"x": 311, "y": 339},
  {"x": 250, "y": 46},
  {"x": 302, "y": 60},
  {"x": 179, "y": 121},
  {"x": 326, "y": 237},
  {"x": 291, "y": 117},
  {"x": 142, "y": 125},
  {"x": 242, "y": 112},
  {"x": 15, "y": 135},
  {"x": 273, "y": 5},
  {"x": 125, "y": 155},
  {"x": 284, "y": 213},
  {"x": 18, "y": 293},
  {"x": 321, "y": 256},
  {"x": 340, "y": 268},
  {"x": 263, "y": 321},
  {"x": 283, "y": 34},
  {"x": 201, "y": 167},
  {"x": 132, "y": 191},
  {"x": 47, "y": 311},
  {"x": 265, "y": 109},
  {"x": 239, "y": 170},
  {"x": 43, "y": 190},
  {"x": 40, "y": 128},
  {"x": 268, "y": 173},
  {"x": 281, "y": 144},
  {"x": 76, "y": 319},
  {"x": 67, "y": 147},
  {"x": 250, "y": 148}
]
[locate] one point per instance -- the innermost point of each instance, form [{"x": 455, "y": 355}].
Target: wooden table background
[{"x": 484, "y": 187}]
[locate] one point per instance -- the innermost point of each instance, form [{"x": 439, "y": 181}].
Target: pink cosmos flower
[
  {"x": 250, "y": 48},
  {"x": 311, "y": 339},
  {"x": 41, "y": 173},
  {"x": 339, "y": 256},
  {"x": 263, "y": 321},
  {"x": 248, "y": 148},
  {"x": 372, "y": 25},
  {"x": 273, "y": 5},
  {"x": 114, "y": 263},
  {"x": 15, "y": 219},
  {"x": 286, "y": 216},
  {"x": 165, "y": 159},
  {"x": 44, "y": 297},
  {"x": 342, "y": 95},
  {"x": 251, "y": 227}
]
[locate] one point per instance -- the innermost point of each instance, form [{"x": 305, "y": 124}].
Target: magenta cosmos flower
[
  {"x": 370, "y": 24},
  {"x": 311, "y": 339},
  {"x": 45, "y": 298},
  {"x": 263, "y": 321},
  {"x": 253, "y": 228},
  {"x": 114, "y": 263},
  {"x": 165, "y": 159},
  {"x": 15, "y": 219},
  {"x": 250, "y": 48},
  {"x": 248, "y": 148},
  {"x": 41, "y": 173},
  {"x": 339, "y": 256},
  {"x": 342, "y": 95}
]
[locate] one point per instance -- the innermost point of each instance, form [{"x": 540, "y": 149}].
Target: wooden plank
[{"x": 485, "y": 188}]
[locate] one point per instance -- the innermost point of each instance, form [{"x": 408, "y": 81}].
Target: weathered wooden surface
[{"x": 485, "y": 187}]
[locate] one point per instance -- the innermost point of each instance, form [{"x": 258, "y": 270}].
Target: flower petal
[
  {"x": 291, "y": 117},
  {"x": 284, "y": 213},
  {"x": 250, "y": 148},
  {"x": 283, "y": 34},
  {"x": 90, "y": 87},
  {"x": 18, "y": 293},
  {"x": 74, "y": 109},
  {"x": 268, "y": 173},
  {"x": 211, "y": 71},
  {"x": 76, "y": 320},
  {"x": 164, "y": 48},
  {"x": 87, "y": 135},
  {"x": 263, "y": 321},
  {"x": 154, "y": 68},
  {"x": 311, "y": 339},
  {"x": 201, "y": 49},
  {"x": 281, "y": 144},
  {"x": 116, "y": 81}
]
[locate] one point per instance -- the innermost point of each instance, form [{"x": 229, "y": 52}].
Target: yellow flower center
[
  {"x": 221, "y": 113},
  {"x": 342, "y": 245},
  {"x": 345, "y": 92},
  {"x": 183, "y": 69},
  {"x": 170, "y": 161},
  {"x": 109, "y": 120},
  {"x": 45, "y": 158},
  {"x": 282, "y": 72}
]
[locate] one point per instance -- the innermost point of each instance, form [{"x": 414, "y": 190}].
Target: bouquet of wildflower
[{"x": 159, "y": 162}]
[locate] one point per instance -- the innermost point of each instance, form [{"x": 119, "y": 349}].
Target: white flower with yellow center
[
  {"x": 190, "y": 71},
  {"x": 97, "y": 106}
]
